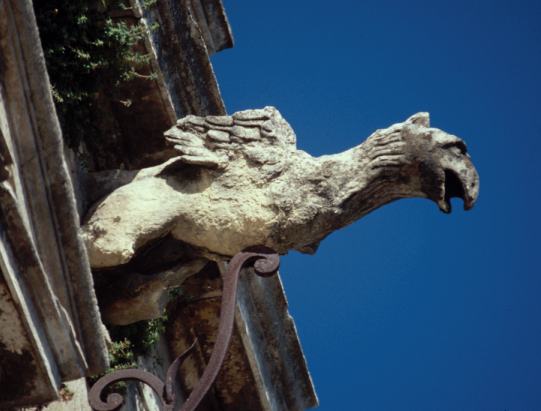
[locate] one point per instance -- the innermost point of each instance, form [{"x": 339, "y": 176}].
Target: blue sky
[{"x": 408, "y": 308}]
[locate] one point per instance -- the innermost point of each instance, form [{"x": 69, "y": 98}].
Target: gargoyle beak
[{"x": 460, "y": 180}]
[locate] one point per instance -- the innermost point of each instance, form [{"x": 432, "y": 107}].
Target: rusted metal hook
[{"x": 265, "y": 262}]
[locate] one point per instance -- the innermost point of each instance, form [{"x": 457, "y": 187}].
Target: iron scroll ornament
[{"x": 266, "y": 263}]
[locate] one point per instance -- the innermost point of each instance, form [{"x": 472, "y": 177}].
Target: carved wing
[{"x": 261, "y": 137}]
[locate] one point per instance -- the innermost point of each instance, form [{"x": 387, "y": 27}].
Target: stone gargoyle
[{"x": 240, "y": 180}]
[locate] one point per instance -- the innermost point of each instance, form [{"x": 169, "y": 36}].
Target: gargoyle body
[{"x": 240, "y": 180}]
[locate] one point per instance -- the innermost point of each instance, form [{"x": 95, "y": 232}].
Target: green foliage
[
  {"x": 87, "y": 53},
  {"x": 121, "y": 356},
  {"x": 128, "y": 342},
  {"x": 148, "y": 3},
  {"x": 142, "y": 335}
]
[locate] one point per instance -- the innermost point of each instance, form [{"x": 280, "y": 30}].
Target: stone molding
[{"x": 43, "y": 260}]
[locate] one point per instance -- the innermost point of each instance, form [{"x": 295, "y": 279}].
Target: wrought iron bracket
[{"x": 265, "y": 262}]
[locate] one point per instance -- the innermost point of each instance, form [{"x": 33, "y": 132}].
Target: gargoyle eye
[{"x": 456, "y": 145}]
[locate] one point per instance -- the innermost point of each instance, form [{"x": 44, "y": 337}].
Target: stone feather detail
[{"x": 262, "y": 137}]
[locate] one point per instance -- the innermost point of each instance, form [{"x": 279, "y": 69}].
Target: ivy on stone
[{"x": 87, "y": 53}]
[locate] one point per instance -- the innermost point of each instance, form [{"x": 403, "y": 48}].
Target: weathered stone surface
[
  {"x": 213, "y": 24},
  {"x": 246, "y": 133},
  {"x": 22, "y": 375},
  {"x": 73, "y": 396},
  {"x": 189, "y": 32},
  {"x": 144, "y": 297},
  {"x": 264, "y": 368},
  {"x": 42, "y": 258},
  {"x": 268, "y": 332},
  {"x": 196, "y": 315},
  {"x": 220, "y": 120},
  {"x": 270, "y": 193},
  {"x": 217, "y": 135}
]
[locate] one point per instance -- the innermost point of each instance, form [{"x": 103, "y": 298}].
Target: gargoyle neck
[
  {"x": 367, "y": 177},
  {"x": 341, "y": 188}
]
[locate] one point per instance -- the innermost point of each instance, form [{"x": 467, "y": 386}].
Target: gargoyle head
[
  {"x": 445, "y": 168},
  {"x": 427, "y": 162}
]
